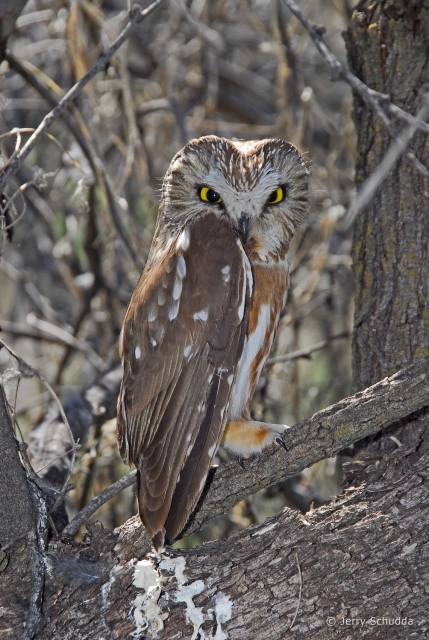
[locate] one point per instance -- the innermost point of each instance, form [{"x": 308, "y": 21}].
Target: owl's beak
[{"x": 243, "y": 228}]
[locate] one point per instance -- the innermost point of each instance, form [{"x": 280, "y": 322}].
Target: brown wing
[{"x": 182, "y": 339}]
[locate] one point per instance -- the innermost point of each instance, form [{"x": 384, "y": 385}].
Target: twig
[
  {"x": 136, "y": 16},
  {"x": 66, "y": 453},
  {"x": 306, "y": 353},
  {"x": 31, "y": 290},
  {"x": 98, "y": 501},
  {"x": 211, "y": 37},
  {"x": 44, "y": 486},
  {"x": 85, "y": 144},
  {"x": 132, "y": 129},
  {"x": 70, "y": 340},
  {"x": 377, "y": 177},
  {"x": 42, "y": 330},
  {"x": 37, "y": 541},
  {"x": 374, "y": 99},
  {"x": 400, "y": 113},
  {"x": 300, "y": 592},
  {"x": 25, "y": 370}
]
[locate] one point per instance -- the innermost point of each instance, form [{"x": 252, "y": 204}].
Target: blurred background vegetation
[{"x": 86, "y": 214}]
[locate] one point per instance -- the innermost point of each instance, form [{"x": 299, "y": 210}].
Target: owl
[{"x": 203, "y": 317}]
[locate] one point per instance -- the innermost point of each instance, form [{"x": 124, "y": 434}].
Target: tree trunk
[
  {"x": 388, "y": 49},
  {"x": 362, "y": 561}
]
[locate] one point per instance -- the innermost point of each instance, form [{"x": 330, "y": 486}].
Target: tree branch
[
  {"x": 306, "y": 353},
  {"x": 324, "y": 435},
  {"x": 103, "y": 497},
  {"x": 328, "y": 432},
  {"x": 17, "y": 515},
  {"x": 136, "y": 16},
  {"x": 42, "y": 330},
  {"x": 375, "y": 100}
]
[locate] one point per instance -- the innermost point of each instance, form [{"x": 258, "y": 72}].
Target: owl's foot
[
  {"x": 245, "y": 437},
  {"x": 240, "y": 461},
  {"x": 282, "y": 443}
]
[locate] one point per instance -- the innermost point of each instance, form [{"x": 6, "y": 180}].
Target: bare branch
[
  {"x": 136, "y": 16},
  {"x": 42, "y": 330},
  {"x": 98, "y": 501},
  {"x": 370, "y": 187},
  {"x": 323, "y": 436},
  {"x": 306, "y": 353},
  {"x": 374, "y": 99}
]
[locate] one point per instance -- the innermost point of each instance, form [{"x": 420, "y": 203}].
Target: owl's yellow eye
[
  {"x": 276, "y": 196},
  {"x": 208, "y": 195}
]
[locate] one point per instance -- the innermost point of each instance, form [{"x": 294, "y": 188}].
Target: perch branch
[{"x": 324, "y": 435}]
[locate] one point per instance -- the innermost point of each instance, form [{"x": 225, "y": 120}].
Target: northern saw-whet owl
[{"x": 203, "y": 317}]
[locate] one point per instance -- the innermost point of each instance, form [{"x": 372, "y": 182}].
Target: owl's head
[{"x": 259, "y": 186}]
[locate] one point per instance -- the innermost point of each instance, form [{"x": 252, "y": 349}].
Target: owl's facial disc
[{"x": 260, "y": 187}]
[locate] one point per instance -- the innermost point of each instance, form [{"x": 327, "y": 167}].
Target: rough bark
[
  {"x": 16, "y": 509},
  {"x": 364, "y": 555},
  {"x": 9, "y": 13},
  {"x": 50, "y": 443},
  {"x": 389, "y": 51}
]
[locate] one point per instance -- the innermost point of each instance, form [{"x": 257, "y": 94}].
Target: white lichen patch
[
  {"x": 194, "y": 615},
  {"x": 265, "y": 529},
  {"x": 147, "y": 615},
  {"x": 107, "y": 586},
  {"x": 222, "y": 611}
]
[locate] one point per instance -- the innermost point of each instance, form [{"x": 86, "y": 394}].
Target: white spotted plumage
[{"x": 203, "y": 316}]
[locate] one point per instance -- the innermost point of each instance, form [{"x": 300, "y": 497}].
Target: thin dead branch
[
  {"x": 371, "y": 186},
  {"x": 42, "y": 330},
  {"x": 85, "y": 514},
  {"x": 306, "y": 353},
  {"x": 136, "y": 16},
  {"x": 376, "y": 101}
]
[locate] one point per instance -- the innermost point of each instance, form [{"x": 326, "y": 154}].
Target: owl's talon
[
  {"x": 240, "y": 461},
  {"x": 282, "y": 443}
]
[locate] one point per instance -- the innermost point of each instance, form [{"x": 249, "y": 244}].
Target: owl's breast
[{"x": 270, "y": 285}]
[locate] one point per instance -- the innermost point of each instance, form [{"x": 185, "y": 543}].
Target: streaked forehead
[{"x": 242, "y": 163}]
